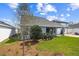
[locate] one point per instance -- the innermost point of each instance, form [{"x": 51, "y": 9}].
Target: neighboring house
[
  {"x": 6, "y": 31},
  {"x": 73, "y": 29},
  {"x": 47, "y": 26}
]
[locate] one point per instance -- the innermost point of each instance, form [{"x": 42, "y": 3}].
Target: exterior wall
[
  {"x": 58, "y": 31},
  {"x": 53, "y": 30},
  {"x": 61, "y": 31},
  {"x": 25, "y": 31},
  {"x": 72, "y": 31},
  {"x": 6, "y": 33},
  {"x": 43, "y": 29},
  {"x": 67, "y": 30}
]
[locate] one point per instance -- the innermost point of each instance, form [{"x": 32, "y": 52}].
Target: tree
[
  {"x": 22, "y": 11},
  {"x": 36, "y": 32}
]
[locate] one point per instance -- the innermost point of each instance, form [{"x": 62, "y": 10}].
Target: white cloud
[
  {"x": 74, "y": 6},
  {"x": 68, "y": 9},
  {"x": 50, "y": 18},
  {"x": 61, "y": 15},
  {"x": 62, "y": 19},
  {"x": 50, "y": 8},
  {"x": 68, "y": 15},
  {"x": 7, "y": 20},
  {"x": 39, "y": 7},
  {"x": 13, "y": 5},
  {"x": 43, "y": 13},
  {"x": 14, "y": 10},
  {"x": 45, "y": 8}
]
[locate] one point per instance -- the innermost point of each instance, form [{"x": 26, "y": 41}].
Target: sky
[{"x": 68, "y": 12}]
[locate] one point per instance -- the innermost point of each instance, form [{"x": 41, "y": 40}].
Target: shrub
[
  {"x": 13, "y": 38},
  {"x": 36, "y": 32}
]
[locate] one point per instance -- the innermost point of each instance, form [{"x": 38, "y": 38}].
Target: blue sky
[{"x": 68, "y": 12}]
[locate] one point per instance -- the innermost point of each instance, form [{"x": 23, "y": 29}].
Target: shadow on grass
[{"x": 10, "y": 40}]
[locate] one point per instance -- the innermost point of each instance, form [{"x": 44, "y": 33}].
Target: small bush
[
  {"x": 47, "y": 36},
  {"x": 36, "y": 32},
  {"x": 13, "y": 38}
]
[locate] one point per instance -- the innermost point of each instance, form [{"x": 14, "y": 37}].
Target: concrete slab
[{"x": 71, "y": 35}]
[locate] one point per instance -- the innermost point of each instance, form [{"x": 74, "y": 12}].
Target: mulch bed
[{"x": 29, "y": 50}]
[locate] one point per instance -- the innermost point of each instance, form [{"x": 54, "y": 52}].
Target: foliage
[
  {"x": 13, "y": 38},
  {"x": 67, "y": 45},
  {"x": 47, "y": 36},
  {"x": 36, "y": 32}
]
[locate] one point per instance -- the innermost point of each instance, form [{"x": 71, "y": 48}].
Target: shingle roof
[
  {"x": 60, "y": 21},
  {"x": 3, "y": 24},
  {"x": 74, "y": 25},
  {"x": 33, "y": 20}
]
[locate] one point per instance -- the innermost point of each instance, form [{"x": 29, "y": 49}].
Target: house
[
  {"x": 27, "y": 20},
  {"x": 6, "y": 31},
  {"x": 47, "y": 26},
  {"x": 73, "y": 29}
]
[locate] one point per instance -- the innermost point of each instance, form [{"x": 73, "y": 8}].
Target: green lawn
[
  {"x": 10, "y": 40},
  {"x": 68, "y": 45}
]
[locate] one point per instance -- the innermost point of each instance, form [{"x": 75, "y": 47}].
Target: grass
[
  {"x": 67, "y": 45},
  {"x": 10, "y": 40}
]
